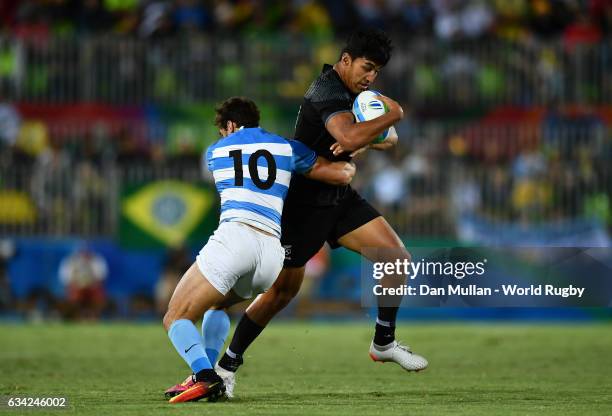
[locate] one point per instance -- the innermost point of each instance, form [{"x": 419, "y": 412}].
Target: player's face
[{"x": 362, "y": 73}]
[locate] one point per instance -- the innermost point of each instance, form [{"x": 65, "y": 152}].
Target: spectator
[
  {"x": 191, "y": 16},
  {"x": 528, "y": 164},
  {"x": 83, "y": 274},
  {"x": 448, "y": 19},
  {"x": 52, "y": 173},
  {"x": 581, "y": 32},
  {"x": 94, "y": 17},
  {"x": 466, "y": 196},
  {"x": 389, "y": 186},
  {"x": 7, "y": 250},
  {"x": 88, "y": 196},
  {"x": 10, "y": 122},
  {"x": 156, "y": 20},
  {"x": 547, "y": 17},
  {"x": 461, "y": 18}
]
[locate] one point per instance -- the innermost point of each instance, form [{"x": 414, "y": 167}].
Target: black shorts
[{"x": 305, "y": 228}]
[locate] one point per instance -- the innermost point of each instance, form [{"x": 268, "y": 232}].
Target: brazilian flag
[{"x": 167, "y": 213}]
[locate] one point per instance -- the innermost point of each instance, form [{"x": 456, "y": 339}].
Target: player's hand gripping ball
[{"x": 367, "y": 107}]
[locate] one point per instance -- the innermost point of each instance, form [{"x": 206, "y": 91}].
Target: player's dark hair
[
  {"x": 240, "y": 110},
  {"x": 373, "y": 44}
]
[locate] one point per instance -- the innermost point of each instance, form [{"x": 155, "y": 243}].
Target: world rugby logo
[{"x": 376, "y": 105}]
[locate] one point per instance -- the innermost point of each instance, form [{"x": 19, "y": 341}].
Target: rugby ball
[{"x": 367, "y": 107}]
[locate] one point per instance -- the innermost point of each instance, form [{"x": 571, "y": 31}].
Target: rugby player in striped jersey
[{"x": 252, "y": 169}]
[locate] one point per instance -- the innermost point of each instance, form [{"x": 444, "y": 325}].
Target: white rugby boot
[
  {"x": 229, "y": 379},
  {"x": 397, "y": 353}
]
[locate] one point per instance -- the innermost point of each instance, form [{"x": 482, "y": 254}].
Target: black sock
[
  {"x": 229, "y": 363},
  {"x": 385, "y": 325},
  {"x": 244, "y": 335},
  {"x": 206, "y": 375}
]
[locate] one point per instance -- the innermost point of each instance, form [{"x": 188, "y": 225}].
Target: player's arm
[
  {"x": 334, "y": 173},
  {"x": 352, "y": 136},
  {"x": 306, "y": 162},
  {"x": 388, "y": 143}
]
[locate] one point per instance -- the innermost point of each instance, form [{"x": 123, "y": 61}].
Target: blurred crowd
[
  {"x": 445, "y": 19},
  {"x": 82, "y": 117},
  {"x": 67, "y": 183},
  {"x": 423, "y": 72},
  {"x": 553, "y": 171},
  {"x": 77, "y": 290},
  {"x": 539, "y": 168}
]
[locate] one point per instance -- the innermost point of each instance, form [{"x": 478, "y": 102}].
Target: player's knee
[
  {"x": 280, "y": 295},
  {"x": 392, "y": 255},
  {"x": 168, "y": 320},
  {"x": 406, "y": 255},
  {"x": 175, "y": 313},
  {"x": 276, "y": 298},
  {"x": 283, "y": 298},
  {"x": 288, "y": 283}
]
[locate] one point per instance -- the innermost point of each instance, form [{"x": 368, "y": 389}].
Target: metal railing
[
  {"x": 422, "y": 73},
  {"x": 504, "y": 173},
  {"x": 56, "y": 195}
]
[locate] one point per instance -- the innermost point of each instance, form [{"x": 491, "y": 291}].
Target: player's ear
[
  {"x": 346, "y": 59},
  {"x": 230, "y": 127}
]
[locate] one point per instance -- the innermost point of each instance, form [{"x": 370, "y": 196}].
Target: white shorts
[{"x": 241, "y": 258}]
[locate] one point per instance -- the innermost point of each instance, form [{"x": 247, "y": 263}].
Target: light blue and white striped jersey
[{"x": 252, "y": 170}]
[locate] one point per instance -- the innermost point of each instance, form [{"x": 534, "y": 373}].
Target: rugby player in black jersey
[{"x": 315, "y": 212}]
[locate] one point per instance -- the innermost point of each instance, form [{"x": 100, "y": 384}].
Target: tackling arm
[{"x": 334, "y": 173}]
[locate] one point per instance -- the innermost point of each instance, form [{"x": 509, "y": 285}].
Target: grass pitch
[{"x": 319, "y": 369}]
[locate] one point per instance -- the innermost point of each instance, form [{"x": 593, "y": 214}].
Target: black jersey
[{"x": 326, "y": 97}]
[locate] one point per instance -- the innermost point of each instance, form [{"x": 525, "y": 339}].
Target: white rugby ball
[{"x": 367, "y": 107}]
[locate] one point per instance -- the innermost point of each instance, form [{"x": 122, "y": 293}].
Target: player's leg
[
  {"x": 215, "y": 328},
  {"x": 193, "y": 295},
  {"x": 284, "y": 289},
  {"x": 305, "y": 230},
  {"x": 259, "y": 313},
  {"x": 264, "y": 280},
  {"x": 214, "y": 335},
  {"x": 377, "y": 234},
  {"x": 231, "y": 255},
  {"x": 216, "y": 325}
]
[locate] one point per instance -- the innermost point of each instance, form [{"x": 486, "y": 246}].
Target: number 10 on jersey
[{"x": 253, "y": 172}]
